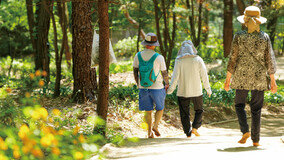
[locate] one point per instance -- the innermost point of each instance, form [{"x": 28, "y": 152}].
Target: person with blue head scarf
[{"x": 189, "y": 71}]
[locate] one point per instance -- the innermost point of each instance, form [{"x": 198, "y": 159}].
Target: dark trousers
[
  {"x": 184, "y": 103},
  {"x": 256, "y": 104}
]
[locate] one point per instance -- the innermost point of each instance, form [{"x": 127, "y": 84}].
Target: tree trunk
[
  {"x": 42, "y": 58},
  {"x": 271, "y": 27},
  {"x": 104, "y": 58},
  {"x": 31, "y": 22},
  {"x": 82, "y": 32},
  {"x": 228, "y": 26},
  {"x": 139, "y": 27},
  {"x": 157, "y": 19},
  {"x": 63, "y": 19},
  {"x": 241, "y": 6},
  {"x": 205, "y": 30},
  {"x": 132, "y": 21},
  {"x": 199, "y": 22}
]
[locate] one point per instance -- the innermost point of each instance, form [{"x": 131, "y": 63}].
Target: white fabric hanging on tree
[{"x": 95, "y": 52}]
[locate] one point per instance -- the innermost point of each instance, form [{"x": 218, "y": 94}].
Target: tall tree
[
  {"x": 228, "y": 26},
  {"x": 31, "y": 22},
  {"x": 104, "y": 58},
  {"x": 192, "y": 20},
  {"x": 241, "y": 6},
  {"x": 42, "y": 58},
  {"x": 82, "y": 32},
  {"x": 165, "y": 39}
]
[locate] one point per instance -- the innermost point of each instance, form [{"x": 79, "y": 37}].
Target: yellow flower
[
  {"x": 56, "y": 112},
  {"x": 44, "y": 73},
  {"x": 27, "y": 148},
  {"x": 16, "y": 154},
  {"x": 76, "y": 130},
  {"x": 55, "y": 151},
  {"x": 37, "y": 73},
  {"x": 50, "y": 120},
  {"x": 60, "y": 132},
  {"x": 47, "y": 140},
  {"x": 3, "y": 146},
  {"x": 24, "y": 130},
  {"x": 43, "y": 113},
  {"x": 3, "y": 157},
  {"x": 75, "y": 142},
  {"x": 81, "y": 138},
  {"x": 8, "y": 90},
  {"x": 37, "y": 152},
  {"x": 144, "y": 125},
  {"x": 78, "y": 155},
  {"x": 27, "y": 94},
  {"x": 32, "y": 76},
  {"x": 16, "y": 147},
  {"x": 41, "y": 83},
  {"x": 36, "y": 115}
]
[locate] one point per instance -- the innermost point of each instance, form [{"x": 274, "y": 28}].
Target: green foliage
[
  {"x": 120, "y": 67},
  {"x": 30, "y": 131},
  {"x": 14, "y": 33},
  {"x": 126, "y": 47},
  {"x": 211, "y": 50}
]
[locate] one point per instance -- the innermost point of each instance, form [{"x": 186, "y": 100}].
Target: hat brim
[
  {"x": 144, "y": 43},
  {"x": 241, "y": 19}
]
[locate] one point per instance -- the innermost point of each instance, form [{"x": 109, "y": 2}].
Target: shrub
[{"x": 126, "y": 48}]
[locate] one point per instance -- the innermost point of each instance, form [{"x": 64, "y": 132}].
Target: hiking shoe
[
  {"x": 255, "y": 144},
  {"x": 157, "y": 133},
  {"x": 244, "y": 138},
  {"x": 194, "y": 131}
]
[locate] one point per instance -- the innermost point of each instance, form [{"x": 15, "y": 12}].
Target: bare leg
[
  {"x": 148, "y": 118},
  {"x": 158, "y": 117}
]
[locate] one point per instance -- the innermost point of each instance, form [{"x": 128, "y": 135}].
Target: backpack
[{"x": 146, "y": 70}]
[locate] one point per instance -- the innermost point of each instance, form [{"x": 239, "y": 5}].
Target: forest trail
[{"x": 218, "y": 142}]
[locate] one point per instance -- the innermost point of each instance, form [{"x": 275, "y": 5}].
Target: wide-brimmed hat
[
  {"x": 150, "y": 40},
  {"x": 252, "y": 12}
]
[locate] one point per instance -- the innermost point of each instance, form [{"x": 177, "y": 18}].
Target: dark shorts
[{"x": 149, "y": 97}]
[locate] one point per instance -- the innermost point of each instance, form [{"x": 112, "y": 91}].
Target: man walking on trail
[
  {"x": 147, "y": 66},
  {"x": 188, "y": 72},
  {"x": 252, "y": 62}
]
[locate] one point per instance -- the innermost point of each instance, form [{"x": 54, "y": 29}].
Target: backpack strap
[
  {"x": 153, "y": 58},
  {"x": 140, "y": 59}
]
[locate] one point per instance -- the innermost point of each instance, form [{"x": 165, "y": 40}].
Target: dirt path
[{"x": 218, "y": 143}]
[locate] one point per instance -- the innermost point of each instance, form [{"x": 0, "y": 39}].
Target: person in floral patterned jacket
[{"x": 252, "y": 63}]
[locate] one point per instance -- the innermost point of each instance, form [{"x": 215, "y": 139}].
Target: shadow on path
[{"x": 239, "y": 149}]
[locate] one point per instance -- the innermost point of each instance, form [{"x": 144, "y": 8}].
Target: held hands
[{"x": 167, "y": 86}]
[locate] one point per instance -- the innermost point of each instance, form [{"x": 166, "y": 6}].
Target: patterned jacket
[{"x": 248, "y": 73}]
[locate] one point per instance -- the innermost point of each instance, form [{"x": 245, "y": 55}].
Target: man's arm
[
  {"x": 166, "y": 79},
  {"x": 135, "y": 72}
]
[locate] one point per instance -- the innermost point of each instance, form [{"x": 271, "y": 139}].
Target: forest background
[{"x": 50, "y": 95}]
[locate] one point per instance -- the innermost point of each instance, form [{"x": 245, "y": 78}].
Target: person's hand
[
  {"x": 227, "y": 86},
  {"x": 273, "y": 87},
  {"x": 167, "y": 86}
]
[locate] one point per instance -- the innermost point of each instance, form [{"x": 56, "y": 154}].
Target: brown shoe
[
  {"x": 151, "y": 135},
  {"x": 194, "y": 131},
  {"x": 256, "y": 144},
  {"x": 244, "y": 138},
  {"x": 157, "y": 133}
]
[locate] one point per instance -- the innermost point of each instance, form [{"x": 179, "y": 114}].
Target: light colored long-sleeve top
[{"x": 187, "y": 75}]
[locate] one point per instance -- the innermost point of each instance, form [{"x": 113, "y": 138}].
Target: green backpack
[{"x": 146, "y": 70}]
